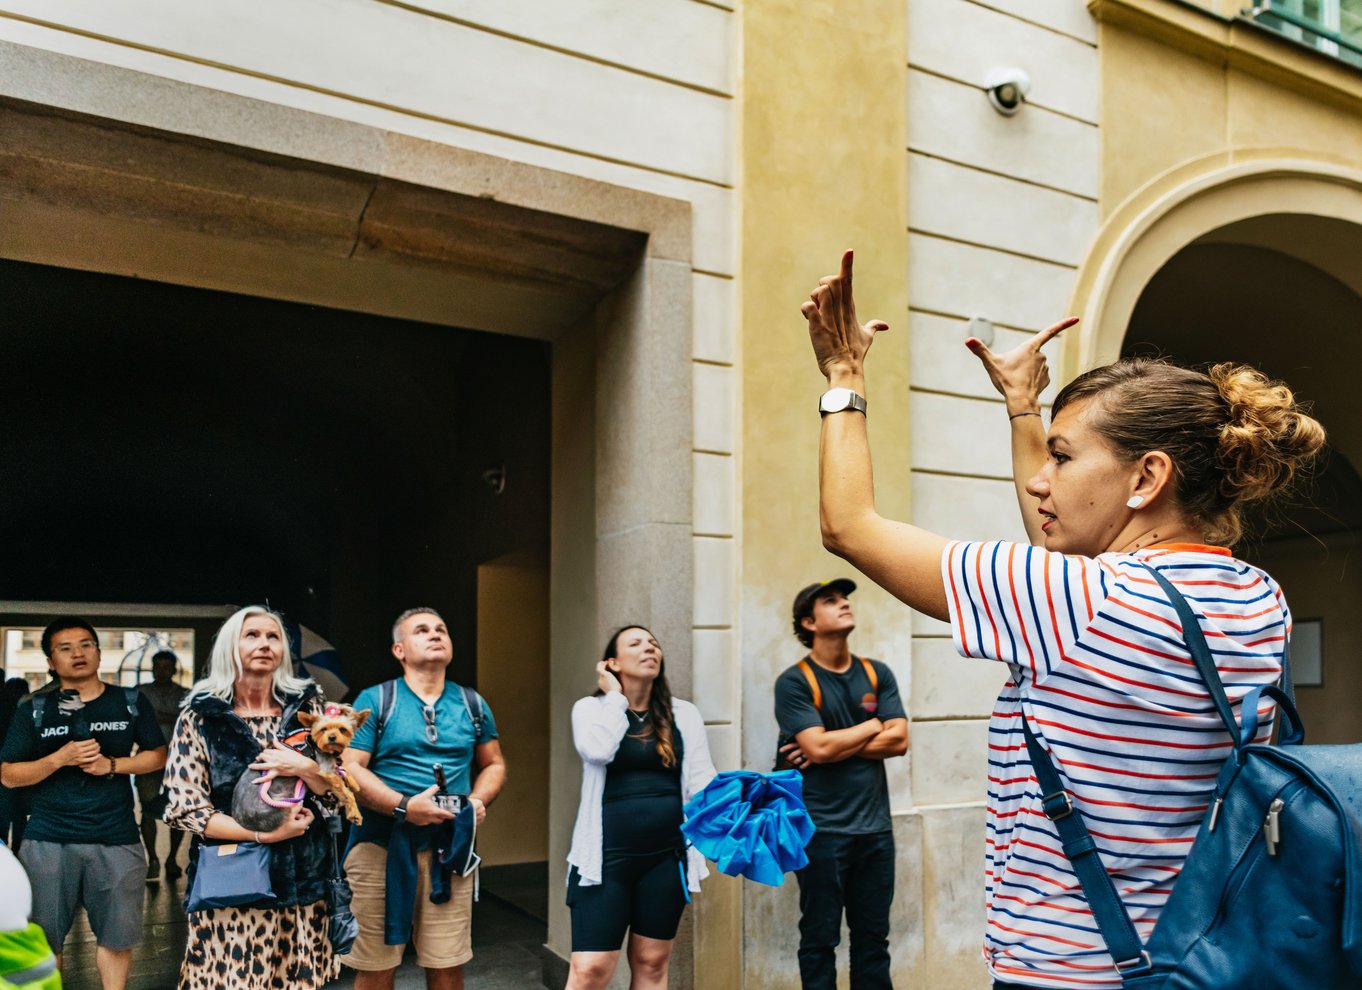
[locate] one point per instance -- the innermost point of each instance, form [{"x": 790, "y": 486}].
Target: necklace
[
  {"x": 244, "y": 713},
  {"x": 633, "y": 715}
]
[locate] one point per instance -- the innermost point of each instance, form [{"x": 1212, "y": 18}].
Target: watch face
[{"x": 835, "y": 400}]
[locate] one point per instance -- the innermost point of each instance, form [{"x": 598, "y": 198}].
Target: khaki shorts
[{"x": 441, "y": 933}]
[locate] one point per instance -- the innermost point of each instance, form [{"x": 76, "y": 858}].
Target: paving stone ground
[{"x": 508, "y": 932}]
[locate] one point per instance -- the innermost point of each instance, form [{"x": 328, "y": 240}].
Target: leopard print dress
[{"x": 283, "y": 948}]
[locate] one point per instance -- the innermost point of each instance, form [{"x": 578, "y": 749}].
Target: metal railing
[{"x": 1332, "y": 27}]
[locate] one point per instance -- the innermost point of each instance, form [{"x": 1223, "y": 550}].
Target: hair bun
[{"x": 1268, "y": 437}]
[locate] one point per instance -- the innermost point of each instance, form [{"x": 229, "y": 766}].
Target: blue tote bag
[{"x": 229, "y": 874}]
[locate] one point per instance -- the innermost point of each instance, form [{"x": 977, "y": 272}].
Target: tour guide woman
[
  {"x": 233, "y": 719},
  {"x": 1145, "y": 462},
  {"x": 644, "y": 755}
]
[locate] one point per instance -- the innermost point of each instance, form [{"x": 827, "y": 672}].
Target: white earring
[{"x": 1135, "y": 501}]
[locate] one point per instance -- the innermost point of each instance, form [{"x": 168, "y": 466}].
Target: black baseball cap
[{"x": 803, "y": 603}]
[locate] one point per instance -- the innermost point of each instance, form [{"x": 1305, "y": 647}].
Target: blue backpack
[{"x": 1270, "y": 896}]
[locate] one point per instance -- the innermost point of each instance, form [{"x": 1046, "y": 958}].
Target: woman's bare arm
[{"x": 903, "y": 559}]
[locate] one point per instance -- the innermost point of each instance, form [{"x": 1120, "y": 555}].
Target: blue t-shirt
[{"x": 406, "y": 757}]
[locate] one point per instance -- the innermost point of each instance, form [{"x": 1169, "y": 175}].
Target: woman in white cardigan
[{"x": 644, "y": 755}]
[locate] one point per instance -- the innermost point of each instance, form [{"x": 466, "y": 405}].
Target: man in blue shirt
[{"x": 397, "y": 897}]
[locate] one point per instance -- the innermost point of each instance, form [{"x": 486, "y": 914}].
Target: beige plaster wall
[
  {"x": 513, "y": 675},
  {"x": 1001, "y": 213}
]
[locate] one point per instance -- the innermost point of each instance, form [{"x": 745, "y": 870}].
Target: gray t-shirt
[{"x": 850, "y": 797}]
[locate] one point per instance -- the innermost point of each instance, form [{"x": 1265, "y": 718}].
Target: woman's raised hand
[
  {"x": 1021, "y": 374},
  {"x": 605, "y": 680},
  {"x": 839, "y": 341}
]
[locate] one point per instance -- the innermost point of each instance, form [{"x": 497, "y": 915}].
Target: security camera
[{"x": 1007, "y": 89}]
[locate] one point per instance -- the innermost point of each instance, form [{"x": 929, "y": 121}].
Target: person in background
[
  {"x": 842, "y": 717},
  {"x": 165, "y": 697},
  {"x": 72, "y": 744},
  {"x": 644, "y": 756},
  {"x": 10, "y": 806},
  {"x": 392, "y": 758},
  {"x": 11, "y": 802}
]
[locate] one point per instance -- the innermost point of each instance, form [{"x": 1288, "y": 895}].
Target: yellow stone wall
[
  {"x": 1180, "y": 84},
  {"x": 822, "y": 167}
]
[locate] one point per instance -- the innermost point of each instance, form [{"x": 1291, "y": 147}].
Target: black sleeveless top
[{"x": 641, "y": 806}]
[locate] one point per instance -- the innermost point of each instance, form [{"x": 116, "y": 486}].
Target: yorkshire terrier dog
[{"x": 262, "y": 805}]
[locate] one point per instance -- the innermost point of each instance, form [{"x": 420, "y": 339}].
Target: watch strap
[
  {"x": 400, "y": 812},
  {"x": 855, "y": 402}
]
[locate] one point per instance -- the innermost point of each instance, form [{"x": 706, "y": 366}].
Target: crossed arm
[{"x": 871, "y": 739}]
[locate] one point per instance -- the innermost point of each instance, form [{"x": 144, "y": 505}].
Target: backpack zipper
[
  {"x": 1272, "y": 827},
  {"x": 1271, "y": 837}
]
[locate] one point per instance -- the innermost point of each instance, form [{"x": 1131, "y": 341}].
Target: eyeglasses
[
  {"x": 84, "y": 645},
  {"x": 432, "y": 733}
]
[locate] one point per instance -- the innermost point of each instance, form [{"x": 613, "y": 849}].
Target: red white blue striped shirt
[{"x": 1099, "y": 666}]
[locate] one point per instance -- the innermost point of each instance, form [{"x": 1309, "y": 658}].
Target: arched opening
[
  {"x": 1282, "y": 292},
  {"x": 179, "y": 446}
]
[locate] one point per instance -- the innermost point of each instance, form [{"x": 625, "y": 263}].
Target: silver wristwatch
[{"x": 840, "y": 400}]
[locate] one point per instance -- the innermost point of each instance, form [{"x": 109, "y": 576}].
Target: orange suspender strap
[
  {"x": 870, "y": 673},
  {"x": 812, "y": 678}
]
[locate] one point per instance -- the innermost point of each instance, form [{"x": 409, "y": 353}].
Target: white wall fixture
[
  {"x": 980, "y": 327},
  {"x": 1007, "y": 89}
]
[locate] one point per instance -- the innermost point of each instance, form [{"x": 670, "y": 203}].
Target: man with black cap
[{"x": 840, "y": 718}]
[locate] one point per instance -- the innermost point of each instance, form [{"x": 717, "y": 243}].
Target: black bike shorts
[{"x": 644, "y": 894}]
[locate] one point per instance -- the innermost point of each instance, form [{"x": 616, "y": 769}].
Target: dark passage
[{"x": 168, "y": 444}]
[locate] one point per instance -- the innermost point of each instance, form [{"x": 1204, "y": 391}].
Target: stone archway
[
  {"x": 1259, "y": 262},
  {"x": 1193, "y": 201}
]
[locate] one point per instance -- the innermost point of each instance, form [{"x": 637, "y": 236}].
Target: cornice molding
[{"x": 1237, "y": 43}]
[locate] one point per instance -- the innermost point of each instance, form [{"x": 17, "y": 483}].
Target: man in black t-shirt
[
  {"x": 840, "y": 718},
  {"x": 71, "y": 746}
]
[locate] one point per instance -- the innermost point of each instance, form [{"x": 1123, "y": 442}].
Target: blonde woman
[{"x": 233, "y": 720}]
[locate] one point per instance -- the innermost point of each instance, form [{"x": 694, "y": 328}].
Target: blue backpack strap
[
  {"x": 473, "y": 702},
  {"x": 1195, "y": 641},
  {"x": 1113, "y": 921},
  {"x": 387, "y": 701}
]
